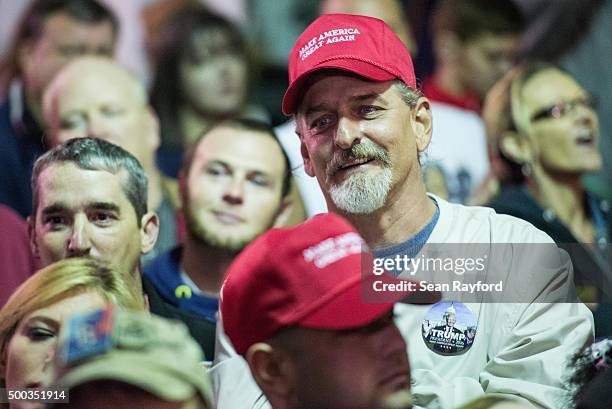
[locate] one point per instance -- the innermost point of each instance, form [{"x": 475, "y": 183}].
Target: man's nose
[
  {"x": 234, "y": 192},
  {"x": 79, "y": 243},
  {"x": 347, "y": 133},
  {"x": 96, "y": 127},
  {"x": 393, "y": 341}
]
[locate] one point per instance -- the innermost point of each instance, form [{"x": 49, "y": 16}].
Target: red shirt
[
  {"x": 469, "y": 101},
  {"x": 18, "y": 263}
]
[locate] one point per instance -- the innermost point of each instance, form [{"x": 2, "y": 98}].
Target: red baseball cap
[
  {"x": 308, "y": 275},
  {"x": 366, "y": 46}
]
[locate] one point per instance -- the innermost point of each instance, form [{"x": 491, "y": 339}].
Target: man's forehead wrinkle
[
  {"x": 320, "y": 99},
  {"x": 60, "y": 206},
  {"x": 49, "y": 182}
]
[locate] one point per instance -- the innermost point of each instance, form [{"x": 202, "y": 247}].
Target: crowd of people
[{"x": 170, "y": 247}]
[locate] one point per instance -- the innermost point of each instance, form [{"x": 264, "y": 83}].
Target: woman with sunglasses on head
[{"x": 543, "y": 135}]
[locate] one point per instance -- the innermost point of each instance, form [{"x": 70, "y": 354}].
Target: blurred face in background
[
  {"x": 214, "y": 74},
  {"x": 62, "y": 39},
  {"x": 233, "y": 190},
  {"x": 486, "y": 58},
  {"x": 561, "y": 125},
  {"x": 96, "y": 97},
  {"x": 28, "y": 360},
  {"x": 390, "y": 11}
]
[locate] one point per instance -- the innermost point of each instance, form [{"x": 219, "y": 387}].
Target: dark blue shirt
[
  {"x": 413, "y": 245},
  {"x": 21, "y": 143},
  {"x": 165, "y": 274}
]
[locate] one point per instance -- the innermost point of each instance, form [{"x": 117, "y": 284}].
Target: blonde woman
[
  {"x": 543, "y": 135},
  {"x": 33, "y": 317}
]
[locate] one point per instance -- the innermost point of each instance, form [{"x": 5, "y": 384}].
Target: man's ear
[
  {"x": 271, "y": 370},
  {"x": 32, "y": 235},
  {"x": 422, "y": 123},
  {"x": 149, "y": 229},
  {"x": 516, "y": 147}
]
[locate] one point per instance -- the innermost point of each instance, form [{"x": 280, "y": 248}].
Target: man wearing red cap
[
  {"x": 362, "y": 126},
  {"x": 292, "y": 307}
]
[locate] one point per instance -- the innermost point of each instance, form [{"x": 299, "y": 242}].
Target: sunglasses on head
[{"x": 561, "y": 109}]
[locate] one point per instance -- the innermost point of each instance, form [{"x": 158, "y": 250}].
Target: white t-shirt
[{"x": 519, "y": 349}]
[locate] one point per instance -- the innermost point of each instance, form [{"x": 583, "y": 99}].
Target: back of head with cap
[
  {"x": 137, "y": 350},
  {"x": 310, "y": 276},
  {"x": 292, "y": 306}
]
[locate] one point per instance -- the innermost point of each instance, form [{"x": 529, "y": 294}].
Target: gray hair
[
  {"x": 410, "y": 96},
  {"x": 96, "y": 154}
]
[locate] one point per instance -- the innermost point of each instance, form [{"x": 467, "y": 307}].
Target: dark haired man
[
  {"x": 90, "y": 200},
  {"x": 234, "y": 186},
  {"x": 475, "y": 42},
  {"x": 51, "y": 33}
]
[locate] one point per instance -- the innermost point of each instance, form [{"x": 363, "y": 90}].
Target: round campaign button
[{"x": 449, "y": 328}]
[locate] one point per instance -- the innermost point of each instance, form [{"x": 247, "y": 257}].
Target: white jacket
[{"x": 519, "y": 349}]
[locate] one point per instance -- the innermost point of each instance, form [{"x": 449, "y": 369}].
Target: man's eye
[
  {"x": 260, "y": 181},
  {"x": 71, "y": 51},
  {"x": 321, "y": 122},
  {"x": 112, "y": 111},
  {"x": 103, "y": 218},
  {"x": 71, "y": 123},
  {"x": 216, "y": 170},
  {"x": 39, "y": 333},
  {"x": 55, "y": 220},
  {"x": 365, "y": 110}
]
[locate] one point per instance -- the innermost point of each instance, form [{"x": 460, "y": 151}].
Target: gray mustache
[{"x": 365, "y": 150}]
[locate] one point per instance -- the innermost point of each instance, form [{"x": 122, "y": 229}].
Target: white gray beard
[{"x": 362, "y": 192}]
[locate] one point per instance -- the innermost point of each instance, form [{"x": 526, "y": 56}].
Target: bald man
[{"x": 95, "y": 96}]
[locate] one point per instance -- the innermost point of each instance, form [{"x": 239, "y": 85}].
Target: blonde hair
[
  {"x": 503, "y": 111},
  {"x": 59, "y": 281}
]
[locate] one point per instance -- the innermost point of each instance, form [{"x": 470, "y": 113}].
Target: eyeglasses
[{"x": 563, "y": 108}]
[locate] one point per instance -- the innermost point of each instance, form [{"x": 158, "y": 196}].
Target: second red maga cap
[
  {"x": 310, "y": 275},
  {"x": 362, "y": 45}
]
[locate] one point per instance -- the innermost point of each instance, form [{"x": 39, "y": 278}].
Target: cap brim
[
  {"x": 348, "y": 310},
  {"x": 144, "y": 374},
  {"x": 354, "y": 66}
]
